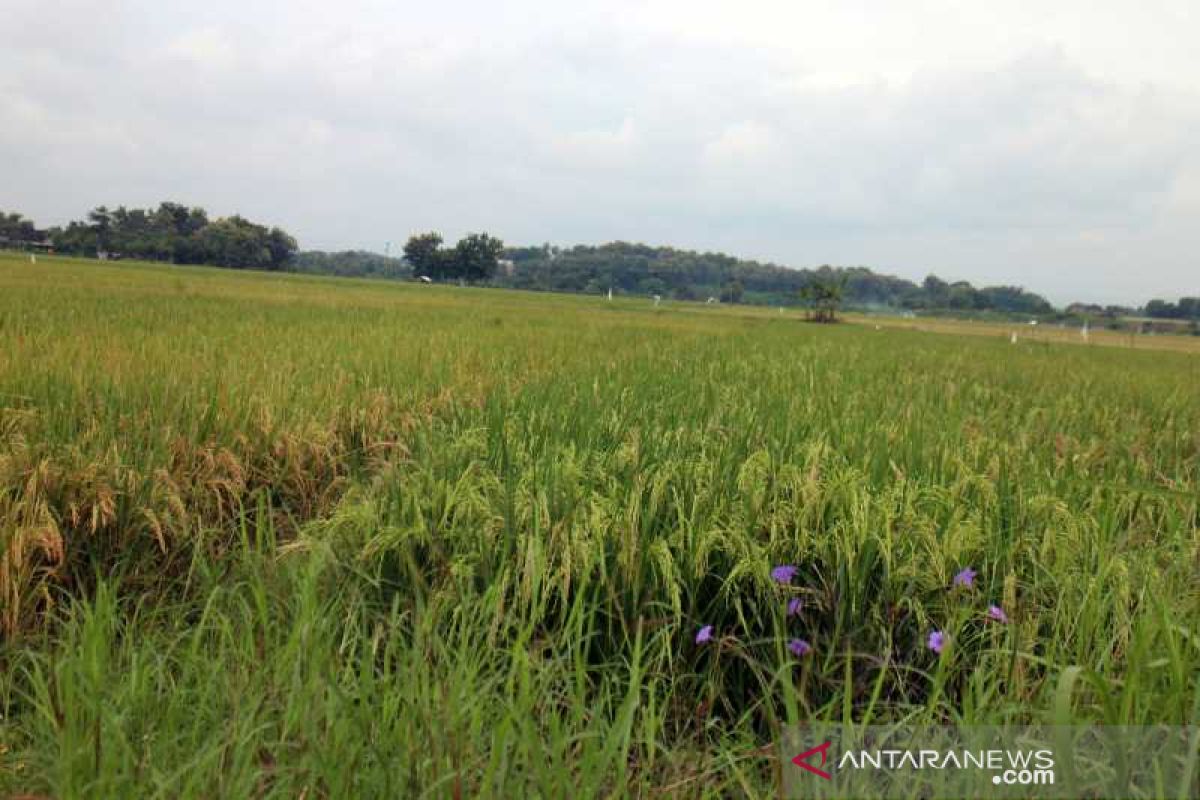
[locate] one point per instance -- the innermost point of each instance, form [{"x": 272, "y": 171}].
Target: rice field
[
  {"x": 1045, "y": 333},
  {"x": 278, "y": 536}
]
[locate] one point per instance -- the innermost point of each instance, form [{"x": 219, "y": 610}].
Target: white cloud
[
  {"x": 595, "y": 149},
  {"x": 207, "y": 48},
  {"x": 742, "y": 144}
]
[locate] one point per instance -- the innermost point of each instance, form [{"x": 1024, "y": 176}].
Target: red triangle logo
[{"x": 802, "y": 760}]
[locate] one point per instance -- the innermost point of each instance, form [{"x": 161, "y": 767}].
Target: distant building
[{"x": 506, "y": 266}]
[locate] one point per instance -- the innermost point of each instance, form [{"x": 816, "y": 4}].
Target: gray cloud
[{"x": 355, "y": 126}]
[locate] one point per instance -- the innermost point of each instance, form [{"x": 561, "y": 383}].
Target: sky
[{"x": 1047, "y": 145}]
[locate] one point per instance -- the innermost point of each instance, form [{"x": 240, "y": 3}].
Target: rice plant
[{"x": 267, "y": 535}]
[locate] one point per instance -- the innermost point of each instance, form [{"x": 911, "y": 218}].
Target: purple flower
[
  {"x": 996, "y": 614},
  {"x": 799, "y": 647},
  {"x": 784, "y": 573},
  {"x": 937, "y": 640},
  {"x": 965, "y": 577},
  {"x": 794, "y": 605},
  {"x": 705, "y": 635}
]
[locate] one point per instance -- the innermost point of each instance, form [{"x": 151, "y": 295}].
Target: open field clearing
[
  {"x": 276, "y": 536},
  {"x": 1046, "y": 333}
]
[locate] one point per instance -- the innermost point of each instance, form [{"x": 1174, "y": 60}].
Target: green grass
[{"x": 271, "y": 535}]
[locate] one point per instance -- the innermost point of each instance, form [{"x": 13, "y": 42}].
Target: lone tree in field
[
  {"x": 823, "y": 298},
  {"x": 421, "y": 253},
  {"x": 476, "y": 256}
]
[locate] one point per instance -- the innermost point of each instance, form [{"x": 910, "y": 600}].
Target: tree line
[
  {"x": 475, "y": 258},
  {"x": 172, "y": 232},
  {"x": 350, "y": 264},
  {"x": 186, "y": 235},
  {"x": 1186, "y": 308},
  {"x": 690, "y": 275},
  {"x": 16, "y": 229}
]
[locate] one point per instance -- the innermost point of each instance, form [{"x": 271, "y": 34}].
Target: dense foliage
[
  {"x": 475, "y": 257},
  {"x": 177, "y": 233},
  {"x": 350, "y": 264},
  {"x": 1186, "y": 308},
  {"x": 689, "y": 275},
  {"x": 15, "y": 227}
]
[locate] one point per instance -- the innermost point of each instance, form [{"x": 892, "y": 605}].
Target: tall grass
[{"x": 273, "y": 536}]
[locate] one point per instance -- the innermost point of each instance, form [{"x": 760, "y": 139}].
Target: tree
[
  {"x": 734, "y": 292},
  {"x": 350, "y": 263},
  {"x": 18, "y": 229},
  {"x": 101, "y": 226},
  {"x": 1160, "y": 309},
  {"x": 177, "y": 233},
  {"x": 281, "y": 246},
  {"x": 476, "y": 256},
  {"x": 237, "y": 242},
  {"x": 443, "y": 265},
  {"x": 421, "y": 253},
  {"x": 1186, "y": 308},
  {"x": 653, "y": 286},
  {"x": 823, "y": 298},
  {"x": 180, "y": 220}
]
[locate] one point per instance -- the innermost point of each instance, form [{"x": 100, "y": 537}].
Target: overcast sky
[{"x": 1052, "y": 145}]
